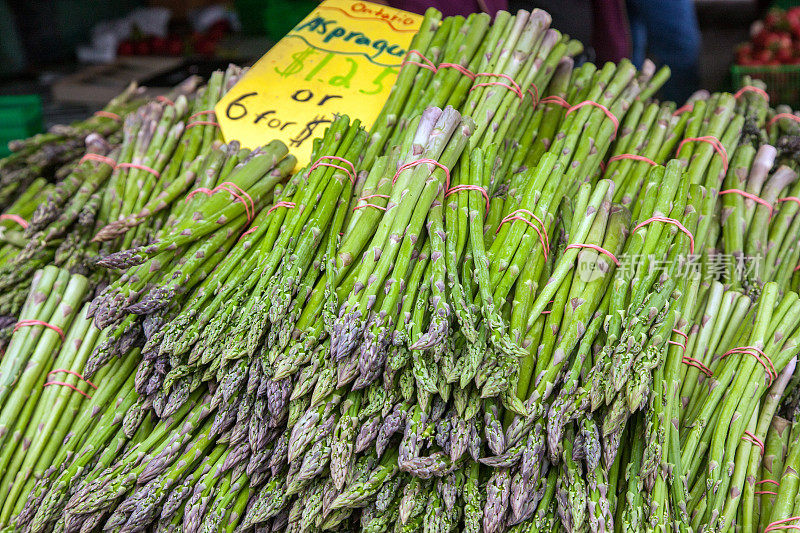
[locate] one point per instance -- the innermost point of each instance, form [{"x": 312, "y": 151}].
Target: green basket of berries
[{"x": 773, "y": 55}]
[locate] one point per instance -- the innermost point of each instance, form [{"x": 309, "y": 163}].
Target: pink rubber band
[
  {"x": 152, "y": 171},
  {"x": 534, "y": 92},
  {"x": 753, "y": 439},
  {"x": 202, "y": 123},
  {"x": 76, "y": 389},
  {"x": 79, "y": 376},
  {"x": 201, "y": 113},
  {"x": 351, "y": 172},
  {"x": 790, "y": 199},
  {"x": 427, "y": 65},
  {"x": 289, "y": 205},
  {"x": 770, "y": 481},
  {"x": 15, "y": 218},
  {"x": 682, "y": 334},
  {"x": 242, "y": 196},
  {"x": 780, "y": 116},
  {"x": 759, "y": 356},
  {"x": 24, "y": 323},
  {"x": 515, "y": 89},
  {"x": 766, "y": 492},
  {"x": 165, "y": 100},
  {"x": 668, "y": 221},
  {"x": 108, "y": 114},
  {"x": 371, "y": 205},
  {"x": 682, "y": 109},
  {"x": 778, "y": 524},
  {"x": 750, "y": 196},
  {"x": 463, "y": 70},
  {"x": 248, "y": 232},
  {"x": 634, "y": 157},
  {"x": 234, "y": 190},
  {"x": 691, "y": 361},
  {"x": 419, "y": 162},
  {"x": 602, "y": 108},
  {"x": 595, "y": 247},
  {"x": 99, "y": 158},
  {"x": 749, "y": 88},
  {"x": 544, "y": 238},
  {"x": 554, "y": 99},
  {"x": 714, "y": 142},
  {"x": 478, "y": 188},
  {"x": 676, "y": 343}
]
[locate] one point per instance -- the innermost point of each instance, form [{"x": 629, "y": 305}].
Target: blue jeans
[{"x": 667, "y": 31}]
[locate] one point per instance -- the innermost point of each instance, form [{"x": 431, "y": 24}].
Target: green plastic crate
[
  {"x": 783, "y": 81},
  {"x": 273, "y": 18},
  {"x": 20, "y": 117}
]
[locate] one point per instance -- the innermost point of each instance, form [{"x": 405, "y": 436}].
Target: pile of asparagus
[{"x": 530, "y": 298}]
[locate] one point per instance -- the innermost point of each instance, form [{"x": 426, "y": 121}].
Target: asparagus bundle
[
  {"x": 59, "y": 229},
  {"x": 500, "y": 310},
  {"x": 53, "y": 155}
]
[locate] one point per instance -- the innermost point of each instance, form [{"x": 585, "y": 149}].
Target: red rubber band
[
  {"x": 779, "y": 116},
  {"x": 99, "y": 158},
  {"x": 108, "y": 114},
  {"x": 602, "y": 108},
  {"x": 248, "y": 232},
  {"x": 682, "y": 109},
  {"x": 79, "y": 376},
  {"x": 242, "y": 196},
  {"x": 554, "y": 99},
  {"x": 201, "y": 113},
  {"x": 753, "y": 439},
  {"x": 594, "y": 247},
  {"x": 419, "y": 162},
  {"x": 515, "y": 89},
  {"x": 676, "y": 343},
  {"x": 234, "y": 190},
  {"x": 76, "y": 389},
  {"x": 463, "y": 70},
  {"x": 691, "y": 361},
  {"x": 759, "y": 356},
  {"x": 544, "y": 239},
  {"x": 672, "y": 221},
  {"x": 351, "y": 172},
  {"x": 427, "y": 65},
  {"x": 749, "y": 88},
  {"x": 371, "y": 205},
  {"x": 682, "y": 334},
  {"x": 202, "y": 123},
  {"x": 165, "y": 100},
  {"x": 770, "y": 481},
  {"x": 766, "y": 492},
  {"x": 534, "y": 94},
  {"x": 152, "y": 171},
  {"x": 714, "y": 142},
  {"x": 15, "y": 218},
  {"x": 478, "y": 188},
  {"x": 778, "y": 524},
  {"x": 634, "y": 157},
  {"x": 289, "y": 205},
  {"x": 750, "y": 196},
  {"x": 790, "y": 199},
  {"x": 24, "y": 323}
]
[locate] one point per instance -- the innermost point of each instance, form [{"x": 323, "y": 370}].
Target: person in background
[
  {"x": 448, "y": 8},
  {"x": 667, "y": 31}
]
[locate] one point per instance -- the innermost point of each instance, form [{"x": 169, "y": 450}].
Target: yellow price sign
[{"x": 343, "y": 58}]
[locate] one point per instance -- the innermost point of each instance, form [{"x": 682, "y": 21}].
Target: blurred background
[{"x": 62, "y": 59}]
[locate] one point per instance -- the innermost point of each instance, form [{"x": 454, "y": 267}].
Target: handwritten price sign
[{"x": 342, "y": 58}]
